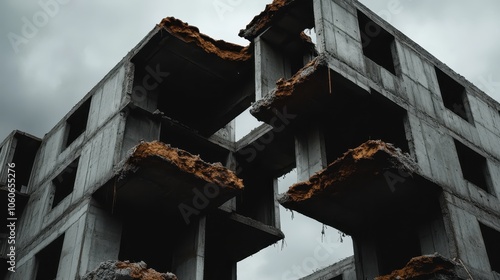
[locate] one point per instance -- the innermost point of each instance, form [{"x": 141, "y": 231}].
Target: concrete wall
[
  {"x": 432, "y": 126},
  {"x": 90, "y": 236}
]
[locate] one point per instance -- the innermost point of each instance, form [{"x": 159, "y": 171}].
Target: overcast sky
[{"x": 71, "y": 49}]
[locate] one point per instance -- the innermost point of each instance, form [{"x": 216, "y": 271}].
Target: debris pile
[
  {"x": 184, "y": 162},
  {"x": 191, "y": 34},
  {"x": 363, "y": 161},
  {"x": 264, "y": 19},
  {"x": 428, "y": 267},
  {"x": 117, "y": 270}
]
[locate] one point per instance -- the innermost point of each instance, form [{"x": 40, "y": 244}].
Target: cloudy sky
[{"x": 65, "y": 52}]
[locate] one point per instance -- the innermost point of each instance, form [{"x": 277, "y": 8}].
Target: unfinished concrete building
[{"x": 390, "y": 145}]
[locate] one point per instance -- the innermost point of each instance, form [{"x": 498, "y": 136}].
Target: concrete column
[
  {"x": 269, "y": 68},
  {"x": 189, "y": 254},
  {"x": 310, "y": 152},
  {"x": 101, "y": 239}
]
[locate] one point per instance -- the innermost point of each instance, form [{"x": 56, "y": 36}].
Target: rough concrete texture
[
  {"x": 117, "y": 270},
  {"x": 185, "y": 162},
  {"x": 299, "y": 83},
  {"x": 191, "y": 34},
  {"x": 264, "y": 19},
  {"x": 428, "y": 267},
  {"x": 365, "y": 159}
]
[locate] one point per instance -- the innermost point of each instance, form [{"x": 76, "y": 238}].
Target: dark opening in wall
[
  {"x": 150, "y": 241},
  {"x": 474, "y": 167},
  {"x": 454, "y": 95},
  {"x": 394, "y": 250},
  {"x": 374, "y": 118},
  {"x": 48, "y": 260},
  {"x": 377, "y": 43},
  {"x": 24, "y": 157},
  {"x": 77, "y": 122},
  {"x": 64, "y": 183},
  {"x": 491, "y": 240},
  {"x": 338, "y": 277}
]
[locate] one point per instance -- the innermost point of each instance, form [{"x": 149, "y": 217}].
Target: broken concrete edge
[
  {"x": 285, "y": 88},
  {"x": 325, "y": 181},
  {"x": 186, "y": 162},
  {"x": 428, "y": 267},
  {"x": 110, "y": 270},
  {"x": 191, "y": 34},
  {"x": 264, "y": 19}
]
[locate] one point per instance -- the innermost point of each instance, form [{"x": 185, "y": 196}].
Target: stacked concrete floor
[{"x": 390, "y": 145}]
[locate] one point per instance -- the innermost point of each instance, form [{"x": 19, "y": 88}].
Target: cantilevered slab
[
  {"x": 308, "y": 85},
  {"x": 162, "y": 178},
  {"x": 201, "y": 82},
  {"x": 371, "y": 182},
  {"x": 313, "y": 90},
  {"x": 287, "y": 15},
  {"x": 241, "y": 237}
]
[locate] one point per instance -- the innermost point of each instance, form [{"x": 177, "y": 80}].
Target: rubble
[
  {"x": 191, "y": 34},
  {"x": 184, "y": 162},
  {"x": 428, "y": 267},
  {"x": 263, "y": 20},
  {"x": 310, "y": 79},
  {"x": 118, "y": 270},
  {"x": 367, "y": 159}
]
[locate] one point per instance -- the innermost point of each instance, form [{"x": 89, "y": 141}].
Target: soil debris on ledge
[
  {"x": 359, "y": 162},
  {"x": 112, "y": 270},
  {"x": 428, "y": 267},
  {"x": 296, "y": 85},
  {"x": 191, "y": 34},
  {"x": 184, "y": 161},
  {"x": 263, "y": 20}
]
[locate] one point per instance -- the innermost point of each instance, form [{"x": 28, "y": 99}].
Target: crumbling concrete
[
  {"x": 429, "y": 267},
  {"x": 184, "y": 162},
  {"x": 310, "y": 80},
  {"x": 191, "y": 34},
  {"x": 117, "y": 270},
  {"x": 264, "y": 19},
  {"x": 371, "y": 158}
]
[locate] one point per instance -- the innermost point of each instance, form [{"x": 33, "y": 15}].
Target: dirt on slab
[
  {"x": 361, "y": 160},
  {"x": 264, "y": 19},
  {"x": 428, "y": 267},
  {"x": 186, "y": 162},
  {"x": 191, "y": 34},
  {"x": 113, "y": 270}
]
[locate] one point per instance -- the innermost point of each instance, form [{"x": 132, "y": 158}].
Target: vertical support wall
[
  {"x": 337, "y": 30},
  {"x": 189, "y": 255},
  {"x": 269, "y": 68},
  {"x": 310, "y": 152}
]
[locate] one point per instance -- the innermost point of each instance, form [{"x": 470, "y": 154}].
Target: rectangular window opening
[
  {"x": 64, "y": 183},
  {"x": 474, "y": 167},
  {"x": 377, "y": 43},
  {"x": 77, "y": 122},
  {"x": 48, "y": 260},
  {"x": 454, "y": 95},
  {"x": 491, "y": 240}
]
